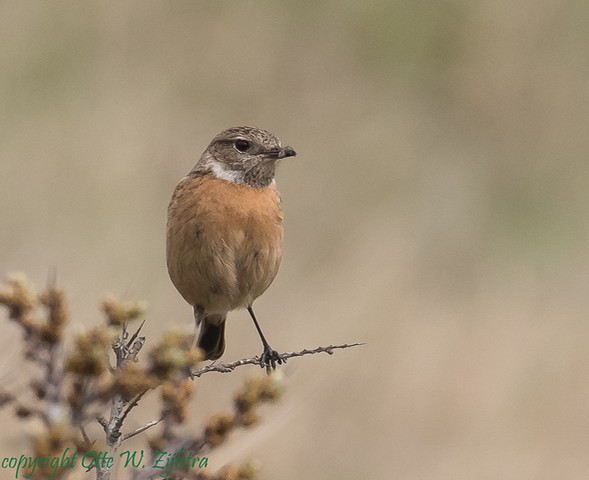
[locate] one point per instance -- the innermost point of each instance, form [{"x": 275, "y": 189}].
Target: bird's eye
[{"x": 242, "y": 145}]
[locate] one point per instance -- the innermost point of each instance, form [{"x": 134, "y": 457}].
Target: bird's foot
[{"x": 270, "y": 358}]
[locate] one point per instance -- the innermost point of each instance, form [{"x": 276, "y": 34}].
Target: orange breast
[{"x": 224, "y": 242}]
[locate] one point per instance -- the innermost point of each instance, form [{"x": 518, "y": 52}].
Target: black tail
[{"x": 211, "y": 338}]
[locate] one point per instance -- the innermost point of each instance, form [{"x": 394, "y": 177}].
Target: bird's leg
[{"x": 269, "y": 357}]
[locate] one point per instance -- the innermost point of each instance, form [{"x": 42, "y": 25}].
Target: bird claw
[{"x": 269, "y": 359}]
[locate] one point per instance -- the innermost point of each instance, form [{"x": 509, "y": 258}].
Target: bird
[{"x": 224, "y": 233}]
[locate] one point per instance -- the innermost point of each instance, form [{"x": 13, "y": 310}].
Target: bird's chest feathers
[
  {"x": 224, "y": 242},
  {"x": 237, "y": 216}
]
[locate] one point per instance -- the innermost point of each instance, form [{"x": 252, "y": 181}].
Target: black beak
[{"x": 286, "y": 152}]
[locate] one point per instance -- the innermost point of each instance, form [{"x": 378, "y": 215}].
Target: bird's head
[{"x": 246, "y": 155}]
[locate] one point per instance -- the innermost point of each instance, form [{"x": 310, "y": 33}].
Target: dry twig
[
  {"x": 74, "y": 380},
  {"x": 229, "y": 367}
]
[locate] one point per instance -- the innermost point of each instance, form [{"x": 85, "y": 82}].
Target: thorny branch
[
  {"x": 142, "y": 429},
  {"x": 229, "y": 367},
  {"x": 83, "y": 377}
]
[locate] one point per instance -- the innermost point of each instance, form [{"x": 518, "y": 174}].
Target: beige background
[{"x": 437, "y": 210}]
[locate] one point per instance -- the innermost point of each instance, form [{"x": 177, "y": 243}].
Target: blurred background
[{"x": 437, "y": 210}]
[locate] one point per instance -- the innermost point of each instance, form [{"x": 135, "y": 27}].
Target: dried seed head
[
  {"x": 57, "y": 312},
  {"x": 131, "y": 379},
  {"x": 256, "y": 390},
  {"x": 174, "y": 354},
  {"x": 218, "y": 427},
  {"x": 90, "y": 356},
  {"x": 119, "y": 313},
  {"x": 18, "y": 295},
  {"x": 176, "y": 397},
  {"x": 237, "y": 472}
]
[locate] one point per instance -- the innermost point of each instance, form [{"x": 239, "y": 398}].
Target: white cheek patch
[{"x": 230, "y": 175}]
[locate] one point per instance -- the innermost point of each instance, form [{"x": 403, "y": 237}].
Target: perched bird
[{"x": 224, "y": 232}]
